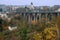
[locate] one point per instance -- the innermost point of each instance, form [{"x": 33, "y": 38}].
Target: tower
[{"x": 31, "y": 6}]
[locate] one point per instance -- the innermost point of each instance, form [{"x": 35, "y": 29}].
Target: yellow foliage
[
  {"x": 37, "y": 36},
  {"x": 50, "y": 34}
]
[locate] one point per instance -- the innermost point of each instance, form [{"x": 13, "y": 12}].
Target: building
[
  {"x": 7, "y": 8},
  {"x": 2, "y": 8},
  {"x": 32, "y": 13},
  {"x": 38, "y": 14}
]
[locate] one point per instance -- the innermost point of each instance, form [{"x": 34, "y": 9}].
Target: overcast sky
[{"x": 27, "y": 2}]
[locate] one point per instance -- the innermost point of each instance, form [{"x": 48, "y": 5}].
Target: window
[
  {"x": 49, "y": 16},
  {"x": 1, "y": 10},
  {"x": 38, "y": 17},
  {"x": 27, "y": 18},
  {"x": 32, "y": 17}
]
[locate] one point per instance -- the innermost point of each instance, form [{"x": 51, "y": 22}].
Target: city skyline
[{"x": 27, "y": 2}]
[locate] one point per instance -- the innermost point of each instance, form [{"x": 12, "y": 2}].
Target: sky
[{"x": 27, "y": 2}]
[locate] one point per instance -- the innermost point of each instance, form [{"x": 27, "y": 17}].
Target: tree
[{"x": 23, "y": 33}]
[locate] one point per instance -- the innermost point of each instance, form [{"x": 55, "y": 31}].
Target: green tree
[{"x": 23, "y": 33}]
